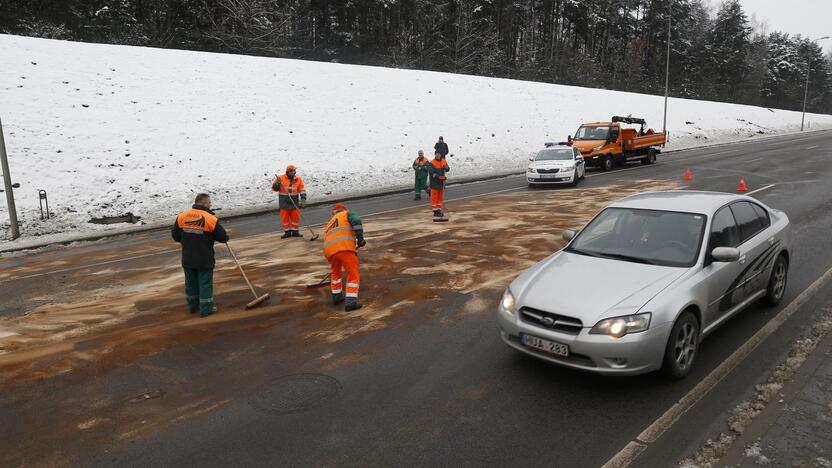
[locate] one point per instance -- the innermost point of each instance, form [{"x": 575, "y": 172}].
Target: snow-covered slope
[{"x": 107, "y": 130}]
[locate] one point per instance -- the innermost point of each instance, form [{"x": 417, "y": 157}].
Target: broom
[{"x": 257, "y": 299}]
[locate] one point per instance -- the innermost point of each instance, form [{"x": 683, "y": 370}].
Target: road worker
[
  {"x": 343, "y": 235},
  {"x": 437, "y": 169},
  {"x": 420, "y": 167},
  {"x": 197, "y": 229},
  {"x": 292, "y": 197},
  {"x": 441, "y": 147}
]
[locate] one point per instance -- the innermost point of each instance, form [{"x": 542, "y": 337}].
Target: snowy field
[{"x": 108, "y": 130}]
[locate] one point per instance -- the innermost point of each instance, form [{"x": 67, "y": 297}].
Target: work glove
[{"x": 362, "y": 243}]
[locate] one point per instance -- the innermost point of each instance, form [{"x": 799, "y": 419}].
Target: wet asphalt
[{"x": 443, "y": 390}]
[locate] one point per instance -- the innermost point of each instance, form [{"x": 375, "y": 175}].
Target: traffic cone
[
  {"x": 688, "y": 175},
  {"x": 742, "y": 187}
]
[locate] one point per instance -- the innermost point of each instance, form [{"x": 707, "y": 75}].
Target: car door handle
[
  {"x": 771, "y": 241},
  {"x": 742, "y": 260}
]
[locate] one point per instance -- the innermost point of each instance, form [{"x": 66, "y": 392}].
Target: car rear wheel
[
  {"x": 606, "y": 163},
  {"x": 682, "y": 347},
  {"x": 777, "y": 281},
  {"x": 650, "y": 158}
]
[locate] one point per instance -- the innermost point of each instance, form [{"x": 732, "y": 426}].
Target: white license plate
[
  {"x": 550, "y": 176},
  {"x": 547, "y": 346}
]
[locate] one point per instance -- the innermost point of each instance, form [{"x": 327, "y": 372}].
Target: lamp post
[
  {"x": 7, "y": 179},
  {"x": 806, "y": 89},
  {"x": 667, "y": 68}
]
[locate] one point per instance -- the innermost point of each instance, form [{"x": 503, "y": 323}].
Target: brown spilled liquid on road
[{"x": 95, "y": 320}]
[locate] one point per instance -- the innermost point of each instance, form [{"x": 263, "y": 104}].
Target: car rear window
[{"x": 748, "y": 221}]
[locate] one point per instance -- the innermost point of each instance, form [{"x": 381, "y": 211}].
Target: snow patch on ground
[
  {"x": 108, "y": 130},
  {"x": 742, "y": 415}
]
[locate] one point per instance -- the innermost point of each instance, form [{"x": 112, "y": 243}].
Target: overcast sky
[{"x": 812, "y": 18}]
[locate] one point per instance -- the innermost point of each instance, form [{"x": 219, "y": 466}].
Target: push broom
[{"x": 257, "y": 299}]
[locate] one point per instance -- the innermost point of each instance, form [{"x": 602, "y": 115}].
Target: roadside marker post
[
  {"x": 7, "y": 180},
  {"x": 41, "y": 200}
]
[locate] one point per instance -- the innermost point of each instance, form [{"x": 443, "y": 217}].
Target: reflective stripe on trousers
[{"x": 346, "y": 261}]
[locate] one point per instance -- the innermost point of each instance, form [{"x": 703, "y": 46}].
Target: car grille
[
  {"x": 548, "y": 171},
  {"x": 551, "y": 321}
]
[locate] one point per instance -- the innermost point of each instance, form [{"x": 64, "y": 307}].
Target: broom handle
[{"x": 241, "y": 269}]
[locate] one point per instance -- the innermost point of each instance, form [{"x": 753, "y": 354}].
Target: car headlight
[
  {"x": 532, "y": 170},
  {"x": 507, "y": 303},
  {"x": 620, "y": 326},
  {"x": 568, "y": 168}
]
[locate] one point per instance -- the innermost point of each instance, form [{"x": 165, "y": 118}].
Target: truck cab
[{"x": 607, "y": 144}]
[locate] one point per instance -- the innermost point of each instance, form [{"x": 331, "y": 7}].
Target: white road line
[
  {"x": 629, "y": 453},
  {"x": 760, "y": 189},
  {"x": 753, "y": 160},
  {"x": 813, "y": 147},
  {"x": 619, "y": 171}
]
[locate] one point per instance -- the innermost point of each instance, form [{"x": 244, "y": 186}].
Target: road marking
[
  {"x": 684, "y": 160},
  {"x": 754, "y": 160},
  {"x": 813, "y": 147},
  {"x": 760, "y": 189},
  {"x": 628, "y": 454}
]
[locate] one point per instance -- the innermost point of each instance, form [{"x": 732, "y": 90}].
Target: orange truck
[{"x": 607, "y": 144}]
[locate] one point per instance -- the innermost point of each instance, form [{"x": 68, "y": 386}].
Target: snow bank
[{"x": 108, "y": 130}]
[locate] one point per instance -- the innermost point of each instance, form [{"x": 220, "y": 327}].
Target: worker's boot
[
  {"x": 337, "y": 298},
  {"x": 437, "y": 213},
  {"x": 212, "y": 312},
  {"x": 286, "y": 235},
  {"x": 352, "y": 304},
  {"x": 296, "y": 234},
  {"x": 441, "y": 214}
]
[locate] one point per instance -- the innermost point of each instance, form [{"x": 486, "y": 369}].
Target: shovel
[{"x": 257, "y": 299}]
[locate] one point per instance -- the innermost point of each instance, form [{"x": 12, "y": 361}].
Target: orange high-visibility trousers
[
  {"x": 290, "y": 219},
  {"x": 344, "y": 260},
  {"x": 436, "y": 197}
]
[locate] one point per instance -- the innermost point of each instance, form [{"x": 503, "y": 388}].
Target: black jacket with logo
[
  {"x": 197, "y": 229},
  {"x": 441, "y": 147}
]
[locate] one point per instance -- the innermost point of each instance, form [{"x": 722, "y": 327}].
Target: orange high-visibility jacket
[
  {"x": 286, "y": 188},
  {"x": 339, "y": 235}
]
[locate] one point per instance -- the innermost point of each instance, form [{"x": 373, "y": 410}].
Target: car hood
[
  {"x": 552, "y": 164},
  {"x": 591, "y": 288}
]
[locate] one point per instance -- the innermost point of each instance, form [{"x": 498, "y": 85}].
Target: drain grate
[{"x": 297, "y": 392}]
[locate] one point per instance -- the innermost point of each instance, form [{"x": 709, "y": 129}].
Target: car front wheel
[
  {"x": 606, "y": 163},
  {"x": 682, "y": 347},
  {"x": 777, "y": 281}
]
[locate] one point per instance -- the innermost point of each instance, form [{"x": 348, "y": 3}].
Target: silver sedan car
[{"x": 644, "y": 281}]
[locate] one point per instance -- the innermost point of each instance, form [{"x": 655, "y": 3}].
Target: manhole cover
[{"x": 297, "y": 392}]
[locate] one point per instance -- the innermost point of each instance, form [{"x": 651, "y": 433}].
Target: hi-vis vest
[
  {"x": 195, "y": 221},
  {"x": 339, "y": 235}
]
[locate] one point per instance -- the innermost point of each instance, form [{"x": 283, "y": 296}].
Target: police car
[{"x": 556, "y": 163}]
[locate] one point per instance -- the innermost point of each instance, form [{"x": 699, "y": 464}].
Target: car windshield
[
  {"x": 655, "y": 237},
  {"x": 555, "y": 154},
  {"x": 592, "y": 133}
]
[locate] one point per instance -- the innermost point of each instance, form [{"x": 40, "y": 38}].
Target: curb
[{"x": 243, "y": 213}]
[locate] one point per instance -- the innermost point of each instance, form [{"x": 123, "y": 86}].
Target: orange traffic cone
[
  {"x": 742, "y": 187},
  {"x": 688, "y": 175}
]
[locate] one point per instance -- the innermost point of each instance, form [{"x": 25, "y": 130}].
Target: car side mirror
[
  {"x": 725, "y": 254},
  {"x": 568, "y": 234}
]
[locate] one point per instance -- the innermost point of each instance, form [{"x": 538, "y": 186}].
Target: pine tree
[{"x": 727, "y": 49}]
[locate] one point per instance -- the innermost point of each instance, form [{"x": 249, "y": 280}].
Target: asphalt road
[{"x": 441, "y": 391}]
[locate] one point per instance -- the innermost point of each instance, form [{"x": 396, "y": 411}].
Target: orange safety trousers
[
  {"x": 436, "y": 197},
  {"x": 290, "y": 219},
  {"x": 348, "y": 261}
]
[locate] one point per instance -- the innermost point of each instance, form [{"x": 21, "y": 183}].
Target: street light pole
[
  {"x": 667, "y": 68},
  {"x": 7, "y": 179},
  {"x": 806, "y": 88}
]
